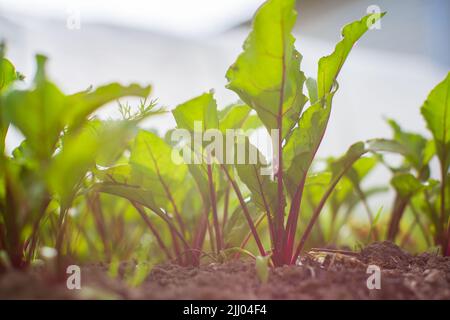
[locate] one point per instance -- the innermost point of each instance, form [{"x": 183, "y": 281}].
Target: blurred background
[{"x": 183, "y": 48}]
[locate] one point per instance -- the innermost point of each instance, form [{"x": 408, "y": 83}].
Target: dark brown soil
[{"x": 322, "y": 275}]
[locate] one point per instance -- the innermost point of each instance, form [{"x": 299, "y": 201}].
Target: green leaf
[
  {"x": 300, "y": 148},
  {"x": 236, "y": 228},
  {"x": 84, "y": 103},
  {"x": 201, "y": 109},
  {"x": 414, "y": 145},
  {"x": 253, "y": 122},
  {"x": 151, "y": 158},
  {"x": 330, "y": 66},
  {"x": 386, "y": 145},
  {"x": 305, "y": 139},
  {"x": 44, "y": 111},
  {"x": 355, "y": 151},
  {"x": 235, "y": 117},
  {"x": 96, "y": 142},
  {"x": 120, "y": 181},
  {"x": 311, "y": 85},
  {"x": 8, "y": 74},
  {"x": 364, "y": 166},
  {"x": 260, "y": 184},
  {"x": 436, "y": 112},
  {"x": 320, "y": 179},
  {"x": 360, "y": 169},
  {"x": 267, "y": 75},
  {"x": 406, "y": 184},
  {"x": 37, "y": 112}
]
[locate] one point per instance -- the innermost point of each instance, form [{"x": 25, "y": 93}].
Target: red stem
[
  {"x": 266, "y": 206},
  {"x": 225, "y": 208},
  {"x": 245, "y": 210},
  {"x": 291, "y": 226},
  {"x": 168, "y": 193},
  {"x": 317, "y": 212},
  {"x": 152, "y": 228},
  {"x": 280, "y": 209},
  {"x": 247, "y": 237},
  {"x": 212, "y": 192}
]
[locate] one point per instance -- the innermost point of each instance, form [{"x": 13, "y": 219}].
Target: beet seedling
[
  {"x": 267, "y": 77},
  {"x": 187, "y": 197},
  {"x": 415, "y": 189},
  {"x": 436, "y": 112},
  {"x": 45, "y": 173}
]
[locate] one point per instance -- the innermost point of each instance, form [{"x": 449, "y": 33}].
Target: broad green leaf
[
  {"x": 82, "y": 104},
  {"x": 37, "y": 112},
  {"x": 302, "y": 145},
  {"x": 413, "y": 144},
  {"x": 121, "y": 182},
  {"x": 311, "y": 85},
  {"x": 238, "y": 116},
  {"x": 71, "y": 164},
  {"x": 320, "y": 178},
  {"x": 406, "y": 184},
  {"x": 8, "y": 74},
  {"x": 96, "y": 142},
  {"x": 202, "y": 109},
  {"x": 201, "y": 180},
  {"x": 436, "y": 112},
  {"x": 330, "y": 66},
  {"x": 344, "y": 193},
  {"x": 360, "y": 169},
  {"x": 300, "y": 148},
  {"x": 256, "y": 176},
  {"x": 267, "y": 75},
  {"x": 344, "y": 186},
  {"x": 253, "y": 122},
  {"x": 236, "y": 228},
  {"x": 151, "y": 157},
  {"x": 115, "y": 137},
  {"x": 235, "y": 117},
  {"x": 42, "y": 112},
  {"x": 23, "y": 156},
  {"x": 386, "y": 145},
  {"x": 355, "y": 151},
  {"x": 364, "y": 166}
]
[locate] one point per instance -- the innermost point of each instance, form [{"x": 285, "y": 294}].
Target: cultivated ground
[{"x": 322, "y": 275}]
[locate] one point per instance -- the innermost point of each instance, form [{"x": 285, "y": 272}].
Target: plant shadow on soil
[{"x": 338, "y": 276}]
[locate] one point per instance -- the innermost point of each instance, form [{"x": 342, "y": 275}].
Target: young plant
[
  {"x": 349, "y": 193},
  {"x": 409, "y": 177},
  {"x": 46, "y": 172},
  {"x": 267, "y": 77},
  {"x": 186, "y": 195},
  {"x": 412, "y": 180},
  {"x": 436, "y": 112}
]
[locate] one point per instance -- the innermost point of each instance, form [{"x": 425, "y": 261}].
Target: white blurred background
[{"x": 183, "y": 48}]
